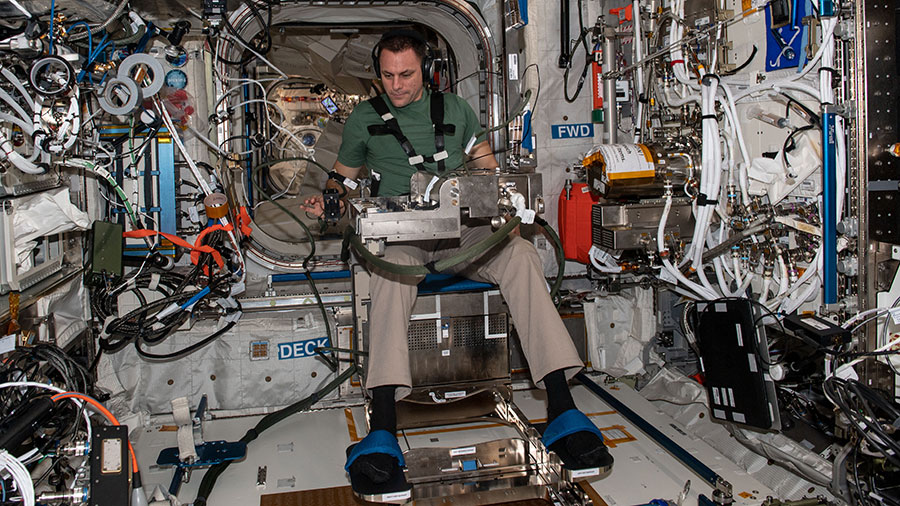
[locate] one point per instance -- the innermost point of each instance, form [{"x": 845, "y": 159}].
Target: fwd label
[{"x": 572, "y": 131}]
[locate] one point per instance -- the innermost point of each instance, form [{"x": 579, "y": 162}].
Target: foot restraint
[
  {"x": 567, "y": 424},
  {"x": 377, "y": 442}
]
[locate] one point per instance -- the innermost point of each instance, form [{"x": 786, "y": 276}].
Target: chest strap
[{"x": 392, "y": 127}]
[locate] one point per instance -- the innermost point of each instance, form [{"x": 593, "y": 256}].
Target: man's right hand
[{"x": 315, "y": 205}]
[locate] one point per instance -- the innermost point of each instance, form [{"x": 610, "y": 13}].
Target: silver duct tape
[
  {"x": 122, "y": 91},
  {"x": 156, "y": 73}
]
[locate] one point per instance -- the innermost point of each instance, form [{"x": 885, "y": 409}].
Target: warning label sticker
[{"x": 627, "y": 161}]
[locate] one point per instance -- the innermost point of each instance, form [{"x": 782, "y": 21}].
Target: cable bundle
[
  {"x": 20, "y": 475},
  {"x": 152, "y": 322},
  {"x": 871, "y": 415}
]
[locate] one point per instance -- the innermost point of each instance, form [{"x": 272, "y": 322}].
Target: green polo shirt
[{"x": 383, "y": 154}]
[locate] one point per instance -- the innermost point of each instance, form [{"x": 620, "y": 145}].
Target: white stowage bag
[
  {"x": 43, "y": 214},
  {"x": 67, "y": 307},
  {"x": 773, "y": 178},
  {"x": 619, "y": 327},
  {"x": 683, "y": 398}
]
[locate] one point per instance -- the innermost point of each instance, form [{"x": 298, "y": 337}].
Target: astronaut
[{"x": 389, "y": 135}]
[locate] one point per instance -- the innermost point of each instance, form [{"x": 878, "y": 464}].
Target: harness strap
[
  {"x": 437, "y": 118},
  {"x": 392, "y": 127}
]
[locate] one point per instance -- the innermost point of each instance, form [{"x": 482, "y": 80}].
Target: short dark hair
[{"x": 396, "y": 43}]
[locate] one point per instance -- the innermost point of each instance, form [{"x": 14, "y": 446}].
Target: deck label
[{"x": 301, "y": 349}]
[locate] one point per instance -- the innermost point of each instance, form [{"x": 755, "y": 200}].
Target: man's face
[{"x": 401, "y": 74}]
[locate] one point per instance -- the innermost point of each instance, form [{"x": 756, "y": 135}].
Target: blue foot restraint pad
[
  {"x": 378, "y": 441},
  {"x": 566, "y": 424}
]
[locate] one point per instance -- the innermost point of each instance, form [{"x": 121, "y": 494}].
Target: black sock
[
  {"x": 384, "y": 409},
  {"x": 378, "y": 467},
  {"x": 559, "y": 397},
  {"x": 586, "y": 447}
]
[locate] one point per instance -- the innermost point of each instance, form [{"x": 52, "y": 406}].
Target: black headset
[{"x": 427, "y": 61}]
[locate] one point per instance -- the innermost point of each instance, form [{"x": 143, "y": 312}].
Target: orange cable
[{"x": 105, "y": 412}]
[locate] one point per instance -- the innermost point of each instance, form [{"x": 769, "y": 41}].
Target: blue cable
[
  {"x": 193, "y": 300},
  {"x": 90, "y": 37},
  {"x": 93, "y": 55},
  {"x": 52, "y": 15},
  {"x": 3, "y": 485}
]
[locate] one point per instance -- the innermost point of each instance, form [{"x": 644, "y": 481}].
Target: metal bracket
[
  {"x": 723, "y": 494},
  {"x": 208, "y": 453},
  {"x": 845, "y": 110}
]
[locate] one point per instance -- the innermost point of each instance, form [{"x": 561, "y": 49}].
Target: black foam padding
[
  {"x": 569, "y": 461},
  {"x": 734, "y": 357},
  {"x": 361, "y": 484}
]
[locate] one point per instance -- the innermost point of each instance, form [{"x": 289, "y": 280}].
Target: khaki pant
[{"x": 513, "y": 264}]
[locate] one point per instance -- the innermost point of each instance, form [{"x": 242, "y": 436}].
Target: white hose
[
  {"x": 731, "y": 113},
  {"x": 8, "y": 153},
  {"x": 261, "y": 57},
  {"x": 764, "y": 295},
  {"x": 23, "y": 10},
  {"x": 858, "y": 316},
  {"x": 602, "y": 261},
  {"x": 15, "y": 105},
  {"x": 26, "y": 126},
  {"x": 783, "y": 281},
  {"x": 678, "y": 102},
  {"x": 20, "y": 475},
  {"x": 710, "y": 182},
  {"x": 19, "y": 86},
  {"x": 720, "y": 277},
  {"x": 736, "y": 263},
  {"x": 667, "y": 264}
]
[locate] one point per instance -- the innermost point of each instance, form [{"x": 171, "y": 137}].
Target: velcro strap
[
  {"x": 154, "y": 282},
  {"x": 442, "y": 155},
  {"x": 416, "y": 160},
  {"x": 181, "y": 411},
  {"x": 346, "y": 181},
  {"x": 104, "y": 333}
]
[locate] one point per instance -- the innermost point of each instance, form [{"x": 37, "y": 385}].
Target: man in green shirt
[{"x": 401, "y": 62}]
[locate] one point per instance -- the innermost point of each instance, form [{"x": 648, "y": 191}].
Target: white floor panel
[{"x": 307, "y": 451}]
